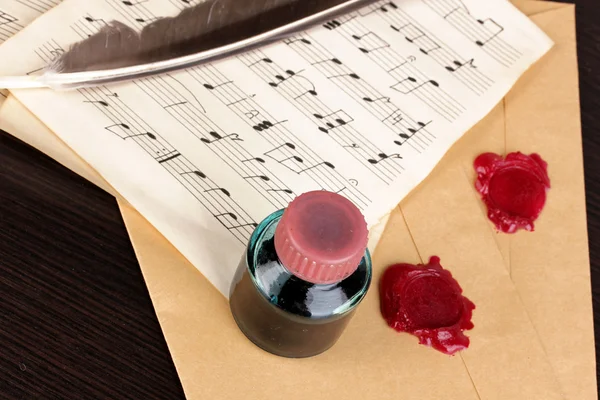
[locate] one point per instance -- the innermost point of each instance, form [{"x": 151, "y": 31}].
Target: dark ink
[{"x": 305, "y": 271}]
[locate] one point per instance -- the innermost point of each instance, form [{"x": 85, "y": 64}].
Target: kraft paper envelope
[{"x": 533, "y": 336}]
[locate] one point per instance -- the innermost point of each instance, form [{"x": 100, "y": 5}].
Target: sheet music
[
  {"x": 364, "y": 106},
  {"x": 15, "y": 15}
]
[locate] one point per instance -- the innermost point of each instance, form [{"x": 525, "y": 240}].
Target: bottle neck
[{"x": 283, "y": 288}]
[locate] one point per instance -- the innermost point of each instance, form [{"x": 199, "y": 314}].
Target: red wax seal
[
  {"x": 513, "y": 189},
  {"x": 426, "y": 301}
]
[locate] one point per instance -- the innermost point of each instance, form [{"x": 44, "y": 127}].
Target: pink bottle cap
[{"x": 321, "y": 237}]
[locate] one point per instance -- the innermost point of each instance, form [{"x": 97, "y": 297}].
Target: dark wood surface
[
  {"x": 588, "y": 52},
  {"x": 76, "y": 320}
]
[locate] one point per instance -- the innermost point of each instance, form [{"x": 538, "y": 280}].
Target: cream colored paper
[
  {"x": 173, "y": 294},
  {"x": 17, "y": 14},
  {"x": 365, "y": 107}
]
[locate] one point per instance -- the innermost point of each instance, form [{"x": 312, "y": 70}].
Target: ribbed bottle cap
[{"x": 321, "y": 237}]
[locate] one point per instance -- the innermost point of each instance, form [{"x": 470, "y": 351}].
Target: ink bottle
[{"x": 304, "y": 272}]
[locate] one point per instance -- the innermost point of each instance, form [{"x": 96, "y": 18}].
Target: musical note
[
  {"x": 383, "y": 157},
  {"x": 370, "y": 100},
  {"x": 212, "y": 87},
  {"x": 352, "y": 146},
  {"x": 262, "y": 177},
  {"x": 265, "y": 60},
  {"x": 353, "y": 182},
  {"x": 288, "y": 191},
  {"x": 148, "y": 134},
  {"x": 283, "y": 79},
  {"x": 6, "y": 18},
  {"x": 217, "y": 137},
  {"x": 168, "y": 157},
  {"x": 333, "y": 24},
  {"x": 301, "y": 40},
  {"x": 333, "y": 60},
  {"x": 283, "y": 158},
  {"x": 351, "y": 75},
  {"x": 101, "y": 102},
  {"x": 288, "y": 145},
  {"x": 266, "y": 125},
  {"x": 412, "y": 131},
  {"x": 234, "y": 218},
  {"x": 132, "y": 3},
  {"x": 127, "y": 128},
  {"x": 479, "y": 30},
  {"x": 458, "y": 65},
  {"x": 421, "y": 126},
  {"x": 496, "y": 25},
  {"x": 390, "y": 4},
  {"x": 312, "y": 92},
  {"x": 90, "y": 19},
  {"x": 334, "y": 120},
  {"x": 224, "y": 191},
  {"x": 124, "y": 126},
  {"x": 325, "y": 163},
  {"x": 395, "y": 116},
  {"x": 416, "y": 36},
  {"x": 293, "y": 75},
  {"x": 378, "y": 44},
  {"x": 251, "y": 114},
  {"x": 413, "y": 80},
  {"x": 199, "y": 174},
  {"x": 257, "y": 159},
  {"x": 295, "y": 158},
  {"x": 142, "y": 20}
]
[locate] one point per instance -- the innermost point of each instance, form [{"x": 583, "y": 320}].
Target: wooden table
[{"x": 76, "y": 320}]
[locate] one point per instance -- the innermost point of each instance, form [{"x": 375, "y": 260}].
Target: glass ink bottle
[{"x": 305, "y": 271}]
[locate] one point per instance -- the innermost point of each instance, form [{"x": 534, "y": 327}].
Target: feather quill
[{"x": 211, "y": 30}]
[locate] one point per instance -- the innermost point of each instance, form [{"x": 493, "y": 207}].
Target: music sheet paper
[
  {"x": 16, "y": 15},
  {"x": 365, "y": 106}
]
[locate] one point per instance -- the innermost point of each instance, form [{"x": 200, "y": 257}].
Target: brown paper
[
  {"x": 550, "y": 267},
  {"x": 506, "y": 360}
]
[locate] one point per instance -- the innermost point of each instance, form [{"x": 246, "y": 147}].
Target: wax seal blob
[
  {"x": 426, "y": 301},
  {"x": 513, "y": 189}
]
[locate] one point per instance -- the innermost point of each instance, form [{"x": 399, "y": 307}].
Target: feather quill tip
[{"x": 23, "y": 82}]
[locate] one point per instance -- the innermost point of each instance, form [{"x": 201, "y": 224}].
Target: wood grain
[
  {"x": 76, "y": 320},
  {"x": 588, "y": 51}
]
